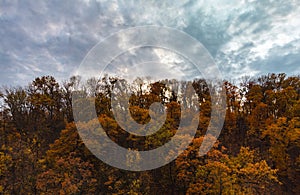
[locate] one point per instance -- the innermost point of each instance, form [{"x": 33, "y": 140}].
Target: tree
[
  {"x": 5, "y": 168},
  {"x": 284, "y": 139},
  {"x": 68, "y": 175}
]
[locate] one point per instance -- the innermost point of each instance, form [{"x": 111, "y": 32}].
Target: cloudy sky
[{"x": 244, "y": 37}]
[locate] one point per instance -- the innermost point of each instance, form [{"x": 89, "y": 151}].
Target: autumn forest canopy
[{"x": 257, "y": 152}]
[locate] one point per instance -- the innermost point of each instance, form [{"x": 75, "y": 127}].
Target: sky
[{"x": 244, "y": 37}]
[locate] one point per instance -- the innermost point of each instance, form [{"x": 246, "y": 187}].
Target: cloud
[
  {"x": 263, "y": 32},
  {"x": 154, "y": 63},
  {"x": 52, "y": 37}
]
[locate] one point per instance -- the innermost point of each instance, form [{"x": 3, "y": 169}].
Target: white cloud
[
  {"x": 244, "y": 37},
  {"x": 255, "y": 32}
]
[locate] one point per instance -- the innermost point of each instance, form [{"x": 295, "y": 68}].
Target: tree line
[{"x": 258, "y": 151}]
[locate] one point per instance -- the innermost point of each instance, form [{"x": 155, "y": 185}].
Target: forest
[{"x": 257, "y": 152}]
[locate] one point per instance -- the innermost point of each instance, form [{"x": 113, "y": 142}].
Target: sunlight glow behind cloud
[{"x": 51, "y": 38}]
